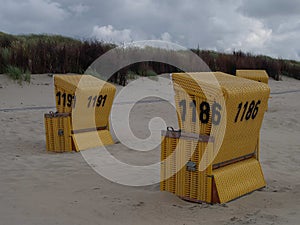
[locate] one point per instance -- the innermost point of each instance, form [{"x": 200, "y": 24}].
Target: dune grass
[
  {"x": 18, "y": 74},
  {"x": 42, "y": 53}
]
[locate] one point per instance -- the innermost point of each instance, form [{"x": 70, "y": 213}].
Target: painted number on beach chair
[
  {"x": 96, "y": 101},
  {"x": 65, "y": 99},
  {"x": 249, "y": 110},
  {"x": 204, "y": 111}
]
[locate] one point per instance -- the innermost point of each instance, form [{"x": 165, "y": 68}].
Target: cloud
[
  {"x": 270, "y": 8},
  {"x": 31, "y": 15},
  {"x": 283, "y": 19},
  {"x": 166, "y": 37},
  {"x": 261, "y": 27},
  {"x": 253, "y": 37},
  {"x": 79, "y": 9},
  {"x": 110, "y": 34}
]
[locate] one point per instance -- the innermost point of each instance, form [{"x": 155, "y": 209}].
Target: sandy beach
[{"x": 37, "y": 187}]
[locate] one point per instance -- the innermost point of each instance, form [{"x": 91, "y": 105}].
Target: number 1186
[{"x": 247, "y": 111}]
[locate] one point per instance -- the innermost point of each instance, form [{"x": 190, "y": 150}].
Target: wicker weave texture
[
  {"x": 257, "y": 75},
  {"x": 245, "y": 102},
  {"x": 176, "y": 178},
  {"x": 89, "y": 101},
  {"x": 58, "y": 132},
  {"x": 92, "y": 139},
  {"x": 238, "y": 179},
  {"x": 86, "y": 96}
]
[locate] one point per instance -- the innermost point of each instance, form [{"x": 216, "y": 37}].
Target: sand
[{"x": 37, "y": 187}]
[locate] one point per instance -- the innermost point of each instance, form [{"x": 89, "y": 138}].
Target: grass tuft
[
  {"x": 27, "y": 76},
  {"x": 18, "y": 74},
  {"x": 14, "y": 72},
  {"x": 130, "y": 75}
]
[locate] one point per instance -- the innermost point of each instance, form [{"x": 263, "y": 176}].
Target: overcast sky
[{"x": 269, "y": 27}]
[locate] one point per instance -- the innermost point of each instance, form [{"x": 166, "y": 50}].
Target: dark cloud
[
  {"x": 280, "y": 17},
  {"x": 270, "y": 8},
  {"x": 30, "y": 16},
  {"x": 263, "y": 27}
]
